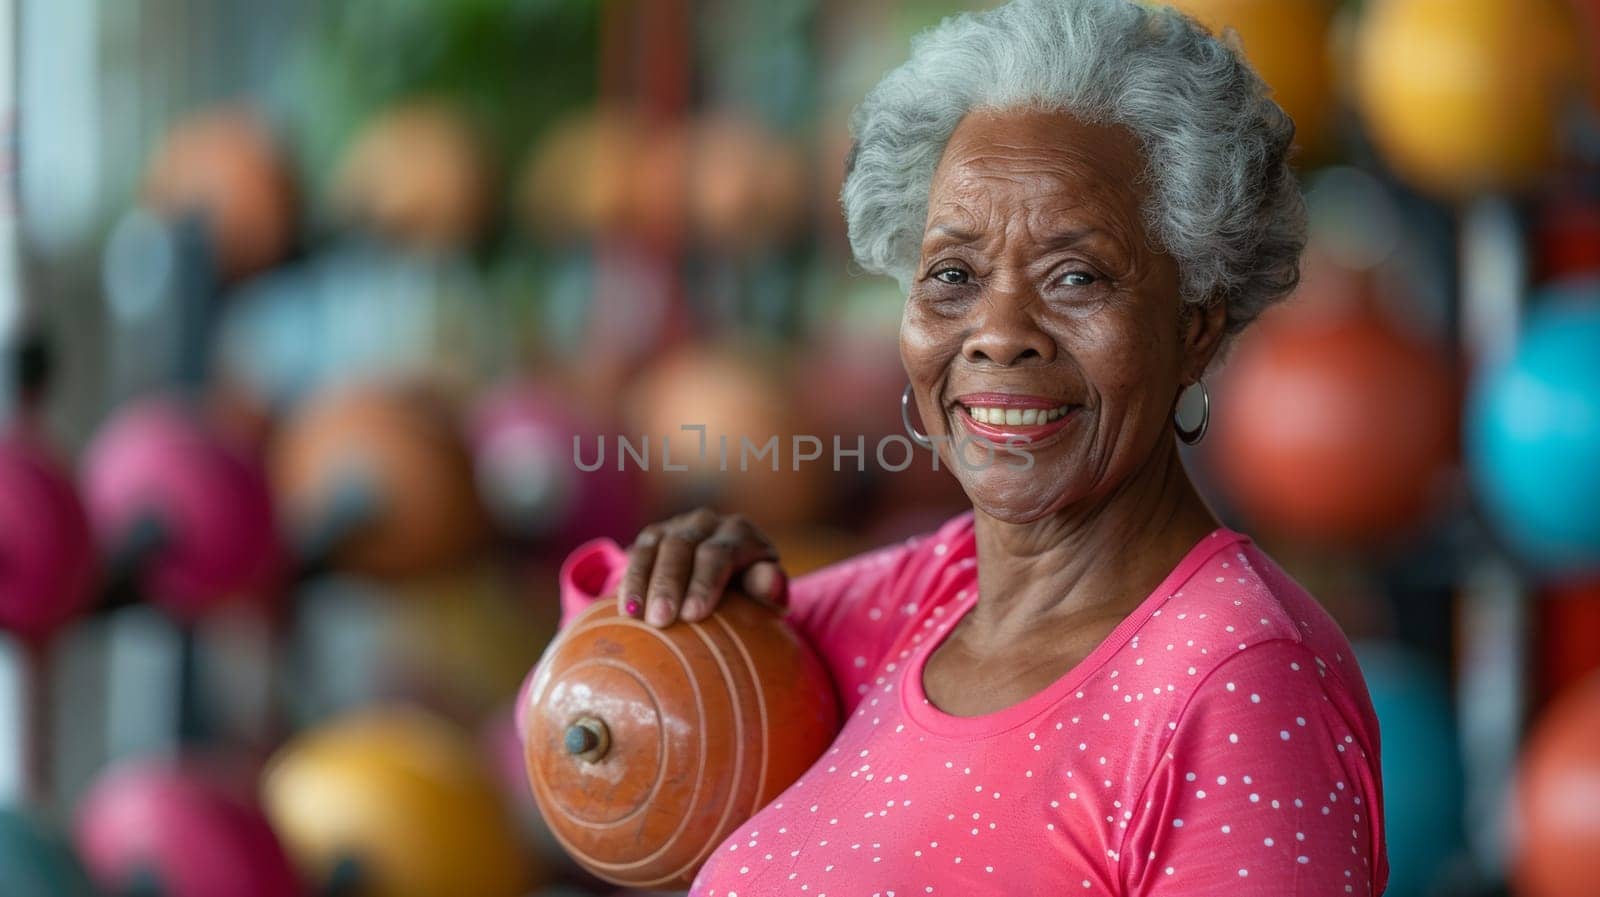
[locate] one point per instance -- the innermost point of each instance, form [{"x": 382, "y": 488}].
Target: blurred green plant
[{"x": 513, "y": 66}]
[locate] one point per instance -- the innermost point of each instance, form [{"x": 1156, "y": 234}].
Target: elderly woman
[{"x": 1086, "y": 685}]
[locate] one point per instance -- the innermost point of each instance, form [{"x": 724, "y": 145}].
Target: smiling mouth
[{"x": 1015, "y": 417}]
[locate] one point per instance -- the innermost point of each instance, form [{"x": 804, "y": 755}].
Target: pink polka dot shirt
[{"x": 1219, "y": 742}]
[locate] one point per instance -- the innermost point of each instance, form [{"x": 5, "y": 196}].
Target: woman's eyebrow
[{"x": 949, "y": 233}]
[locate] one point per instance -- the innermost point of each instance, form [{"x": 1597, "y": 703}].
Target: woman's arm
[{"x": 1269, "y": 785}]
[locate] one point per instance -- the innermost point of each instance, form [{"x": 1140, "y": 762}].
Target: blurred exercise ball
[
  {"x": 833, "y": 154},
  {"x": 177, "y": 506},
  {"x": 464, "y": 641},
  {"x": 1567, "y": 243},
  {"x": 1569, "y": 635},
  {"x": 1557, "y": 849},
  {"x": 735, "y": 396},
  {"x": 376, "y": 475},
  {"x": 180, "y": 832},
  {"x": 419, "y": 174},
  {"x": 849, "y": 377},
  {"x": 646, "y": 747},
  {"x": 46, "y": 551},
  {"x": 1422, "y": 773},
  {"x": 1287, "y": 44},
  {"x": 1467, "y": 96},
  {"x": 225, "y": 166},
  {"x": 1332, "y": 424},
  {"x": 806, "y": 549},
  {"x": 657, "y": 208},
  {"x": 576, "y": 183},
  {"x": 1533, "y": 437},
  {"x": 748, "y": 185},
  {"x": 399, "y": 799},
  {"x": 528, "y": 441},
  {"x": 36, "y": 861}
]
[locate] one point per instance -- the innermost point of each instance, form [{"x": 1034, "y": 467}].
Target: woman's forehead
[
  {"x": 1049, "y": 171},
  {"x": 1028, "y": 152},
  {"x": 1040, "y": 140}
]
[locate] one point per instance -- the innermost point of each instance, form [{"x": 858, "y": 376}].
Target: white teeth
[{"x": 1017, "y": 417}]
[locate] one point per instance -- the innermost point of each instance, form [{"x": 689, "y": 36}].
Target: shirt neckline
[{"x": 915, "y": 701}]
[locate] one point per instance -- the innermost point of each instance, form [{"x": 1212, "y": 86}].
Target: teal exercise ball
[
  {"x": 1533, "y": 436},
  {"x": 35, "y": 860},
  {"x": 1421, "y": 762}
]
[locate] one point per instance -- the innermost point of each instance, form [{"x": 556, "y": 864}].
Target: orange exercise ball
[
  {"x": 738, "y": 396},
  {"x": 657, "y": 207},
  {"x": 225, "y": 165},
  {"x": 576, "y": 182},
  {"x": 748, "y": 185},
  {"x": 1287, "y": 43},
  {"x": 399, "y": 800},
  {"x": 1556, "y": 850},
  {"x": 645, "y": 747},
  {"x": 418, "y": 174},
  {"x": 1467, "y": 96},
  {"x": 375, "y": 476},
  {"x": 1332, "y": 424}
]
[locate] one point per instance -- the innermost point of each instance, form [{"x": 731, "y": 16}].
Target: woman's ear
[{"x": 1203, "y": 327}]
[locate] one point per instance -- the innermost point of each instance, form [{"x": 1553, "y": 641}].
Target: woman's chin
[{"x": 1017, "y": 498}]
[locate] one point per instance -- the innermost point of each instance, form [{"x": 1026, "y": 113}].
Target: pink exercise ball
[
  {"x": 157, "y": 465},
  {"x": 183, "y": 830},
  {"x": 46, "y": 552},
  {"x": 522, "y": 435}
]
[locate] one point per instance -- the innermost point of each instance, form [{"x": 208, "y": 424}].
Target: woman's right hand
[{"x": 680, "y": 567}]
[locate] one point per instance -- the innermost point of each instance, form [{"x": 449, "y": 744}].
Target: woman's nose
[{"x": 1007, "y": 333}]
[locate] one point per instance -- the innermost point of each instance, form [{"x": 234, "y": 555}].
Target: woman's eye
[
  {"x": 951, "y": 275},
  {"x": 1078, "y": 279}
]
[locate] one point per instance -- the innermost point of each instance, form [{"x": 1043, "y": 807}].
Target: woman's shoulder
[{"x": 1239, "y": 601}]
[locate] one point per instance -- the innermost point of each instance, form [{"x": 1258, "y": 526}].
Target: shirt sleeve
[{"x": 1269, "y": 785}]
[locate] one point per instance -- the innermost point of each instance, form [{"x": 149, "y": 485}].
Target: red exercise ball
[
  {"x": 157, "y": 473},
  {"x": 1568, "y": 239},
  {"x": 46, "y": 551},
  {"x": 182, "y": 830},
  {"x": 1332, "y": 424},
  {"x": 1557, "y": 845},
  {"x": 225, "y": 165},
  {"x": 1569, "y": 635}
]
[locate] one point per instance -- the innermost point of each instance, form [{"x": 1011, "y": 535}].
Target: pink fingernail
[{"x": 633, "y": 607}]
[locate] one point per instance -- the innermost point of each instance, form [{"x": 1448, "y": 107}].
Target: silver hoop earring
[
  {"x": 905, "y": 418},
  {"x": 1193, "y": 437}
]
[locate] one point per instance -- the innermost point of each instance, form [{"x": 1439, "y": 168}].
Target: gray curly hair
[{"x": 1223, "y": 199}]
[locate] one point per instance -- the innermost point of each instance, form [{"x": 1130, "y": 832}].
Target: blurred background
[{"x": 302, "y": 305}]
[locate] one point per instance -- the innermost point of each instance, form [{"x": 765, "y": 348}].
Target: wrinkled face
[{"x": 1042, "y": 314}]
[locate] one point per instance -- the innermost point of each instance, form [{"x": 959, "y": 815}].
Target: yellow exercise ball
[
  {"x": 401, "y": 801},
  {"x": 1467, "y": 96},
  {"x": 1287, "y": 43}
]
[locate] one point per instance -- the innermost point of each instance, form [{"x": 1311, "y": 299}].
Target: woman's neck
[{"x": 1089, "y": 561}]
